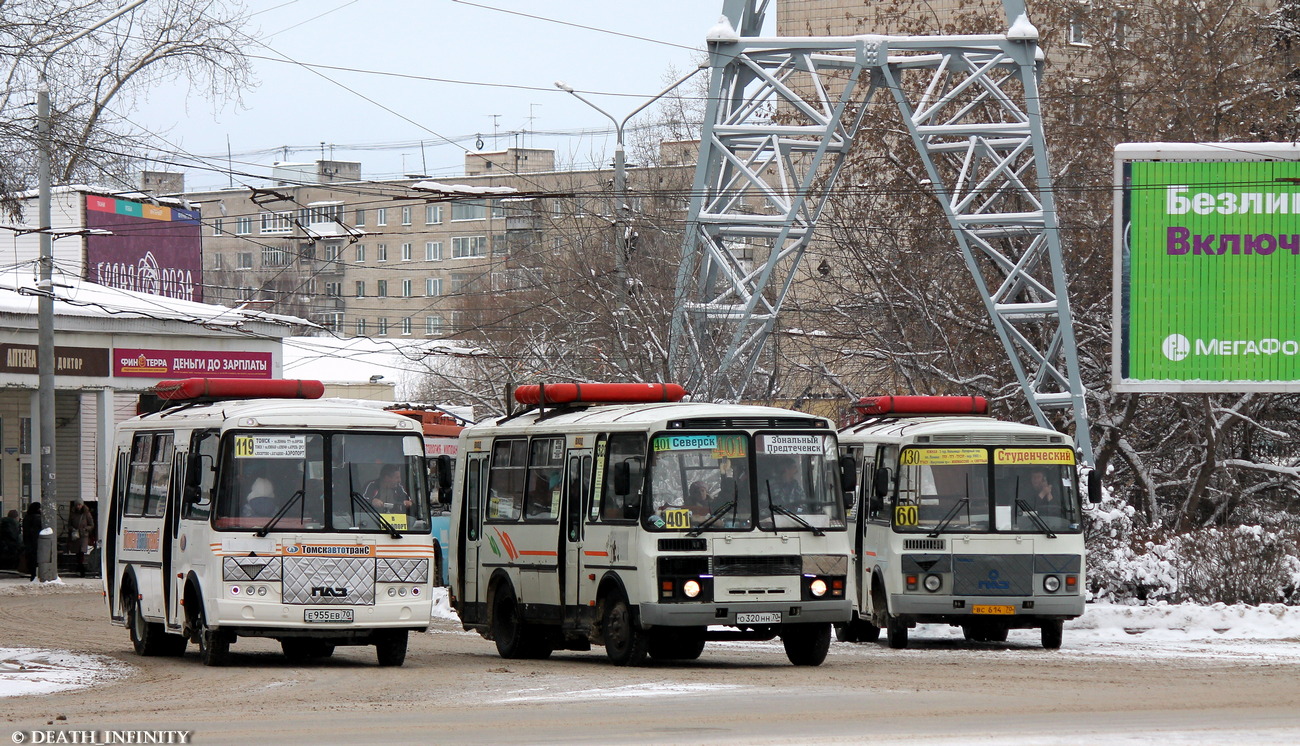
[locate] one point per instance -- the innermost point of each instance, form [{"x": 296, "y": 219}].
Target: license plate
[
  {"x": 327, "y": 615},
  {"x": 993, "y": 609},
  {"x": 768, "y": 617}
]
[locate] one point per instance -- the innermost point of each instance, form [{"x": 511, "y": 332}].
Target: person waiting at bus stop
[{"x": 11, "y": 540}]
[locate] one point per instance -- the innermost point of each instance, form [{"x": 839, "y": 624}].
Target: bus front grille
[
  {"x": 993, "y": 574},
  {"x": 778, "y": 564},
  {"x": 329, "y": 581}
]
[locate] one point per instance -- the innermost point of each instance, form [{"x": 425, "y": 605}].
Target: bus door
[
  {"x": 142, "y": 516},
  {"x": 471, "y": 528},
  {"x": 113, "y": 531},
  {"x": 189, "y": 521},
  {"x": 576, "y": 494},
  {"x": 171, "y": 585}
]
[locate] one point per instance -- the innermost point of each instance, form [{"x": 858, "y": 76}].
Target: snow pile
[
  {"x": 21, "y": 586},
  {"x": 25, "y": 671},
  {"x": 442, "y": 605},
  {"x": 1191, "y": 621}
]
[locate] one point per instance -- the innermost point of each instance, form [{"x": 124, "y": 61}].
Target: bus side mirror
[
  {"x": 622, "y": 478},
  {"x": 444, "y": 475},
  {"x": 1094, "y": 487},
  {"x": 848, "y": 478},
  {"x": 881, "y": 485}
]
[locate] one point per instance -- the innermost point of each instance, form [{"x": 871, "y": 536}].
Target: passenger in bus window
[
  {"x": 386, "y": 493},
  {"x": 786, "y": 489},
  {"x": 698, "y": 500},
  {"x": 1040, "y": 488}
]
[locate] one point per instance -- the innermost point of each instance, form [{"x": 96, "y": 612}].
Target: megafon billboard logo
[{"x": 1176, "y": 347}]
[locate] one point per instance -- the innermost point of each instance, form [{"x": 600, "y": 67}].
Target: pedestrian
[
  {"x": 81, "y": 533},
  {"x": 11, "y": 540},
  {"x": 32, "y": 527}
]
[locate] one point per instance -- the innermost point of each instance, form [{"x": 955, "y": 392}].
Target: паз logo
[
  {"x": 1176, "y": 347},
  {"x": 993, "y": 584}
]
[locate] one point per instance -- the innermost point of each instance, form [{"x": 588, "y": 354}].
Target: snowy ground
[{"x": 1263, "y": 633}]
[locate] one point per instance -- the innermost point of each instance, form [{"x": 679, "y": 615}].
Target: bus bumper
[
  {"x": 705, "y": 614},
  {"x": 944, "y": 608},
  {"x": 234, "y": 614}
]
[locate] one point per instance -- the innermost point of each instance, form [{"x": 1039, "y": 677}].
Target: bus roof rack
[
  {"x": 190, "y": 391},
  {"x": 921, "y": 406},
  {"x": 542, "y": 394}
]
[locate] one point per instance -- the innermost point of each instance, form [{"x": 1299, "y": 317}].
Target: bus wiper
[
  {"x": 1033, "y": 516},
  {"x": 713, "y": 517},
  {"x": 263, "y": 531},
  {"x": 952, "y": 513},
  {"x": 363, "y": 502},
  {"x": 774, "y": 509}
]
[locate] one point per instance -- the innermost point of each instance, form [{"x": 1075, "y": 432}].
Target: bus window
[
  {"x": 506, "y": 480},
  {"x": 202, "y": 476},
  {"x": 624, "y": 475},
  {"x": 137, "y": 490},
  {"x": 545, "y": 466},
  {"x": 474, "y": 479},
  {"x": 160, "y": 478},
  {"x": 1037, "y": 481},
  {"x": 943, "y": 488},
  {"x": 382, "y": 477}
]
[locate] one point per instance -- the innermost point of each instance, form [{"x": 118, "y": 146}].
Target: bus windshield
[
  {"x": 731, "y": 481},
  {"x": 296, "y": 481},
  {"x": 947, "y": 490}
]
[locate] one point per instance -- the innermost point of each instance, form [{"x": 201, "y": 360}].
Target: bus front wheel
[
  {"x": 149, "y": 638},
  {"x": 806, "y": 644},
  {"x": 390, "y": 648},
  {"x": 896, "y": 633},
  {"x": 214, "y": 644},
  {"x": 1052, "y": 632},
  {"x": 626, "y": 644},
  {"x": 514, "y": 637}
]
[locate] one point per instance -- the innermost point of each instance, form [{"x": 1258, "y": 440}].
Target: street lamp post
[
  {"x": 621, "y": 210},
  {"x": 45, "y": 299}
]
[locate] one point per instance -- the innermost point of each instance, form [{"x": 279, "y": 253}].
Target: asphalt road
[{"x": 454, "y": 689}]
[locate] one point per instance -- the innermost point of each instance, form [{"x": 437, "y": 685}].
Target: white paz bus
[
  {"x": 962, "y": 520},
  {"x": 253, "y": 509},
  {"x": 618, "y": 515}
]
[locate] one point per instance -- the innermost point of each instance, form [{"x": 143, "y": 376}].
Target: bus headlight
[
  {"x": 933, "y": 583},
  {"x": 691, "y": 588},
  {"x": 1051, "y": 584},
  {"x": 818, "y": 587}
]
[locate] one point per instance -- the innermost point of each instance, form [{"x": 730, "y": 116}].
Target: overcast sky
[{"x": 445, "y": 39}]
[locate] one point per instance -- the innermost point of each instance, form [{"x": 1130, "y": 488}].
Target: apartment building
[{"x": 409, "y": 257}]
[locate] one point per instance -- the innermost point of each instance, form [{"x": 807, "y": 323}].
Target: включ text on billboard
[{"x": 1207, "y": 267}]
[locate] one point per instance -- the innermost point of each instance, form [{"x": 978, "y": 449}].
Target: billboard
[
  {"x": 152, "y": 249},
  {"x": 1207, "y": 267}
]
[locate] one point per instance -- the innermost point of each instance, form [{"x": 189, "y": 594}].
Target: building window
[
  {"x": 498, "y": 209},
  {"x": 361, "y": 288},
  {"x": 406, "y": 326},
  {"x": 333, "y": 321},
  {"x": 406, "y": 215},
  {"x": 460, "y": 281},
  {"x": 277, "y": 222},
  {"x": 218, "y": 261},
  {"x": 361, "y": 327},
  {"x": 406, "y": 288},
  {"x": 383, "y": 326},
  {"x": 406, "y": 252},
  {"x": 432, "y": 214},
  {"x": 245, "y": 260},
  {"x": 381, "y": 216},
  {"x": 361, "y": 220},
  {"x": 274, "y": 256},
  {"x": 433, "y": 325},
  {"x": 381, "y": 291},
  {"x": 216, "y": 227},
  {"x": 381, "y": 252},
  {"x": 467, "y": 246},
  {"x": 332, "y": 252},
  {"x": 433, "y": 286},
  {"x": 243, "y": 226},
  {"x": 470, "y": 209},
  {"x": 432, "y": 251},
  {"x": 333, "y": 289},
  {"x": 361, "y": 252},
  {"x": 1077, "y": 35}
]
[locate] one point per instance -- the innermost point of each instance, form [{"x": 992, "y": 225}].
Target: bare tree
[{"x": 97, "y": 80}]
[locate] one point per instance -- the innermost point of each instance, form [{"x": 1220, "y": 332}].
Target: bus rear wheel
[
  {"x": 1052, "y": 633},
  {"x": 149, "y": 638},
  {"x": 806, "y": 644},
  {"x": 514, "y": 637},
  {"x": 858, "y": 630},
  {"x": 676, "y": 643},
  {"x": 390, "y": 647},
  {"x": 626, "y": 644}
]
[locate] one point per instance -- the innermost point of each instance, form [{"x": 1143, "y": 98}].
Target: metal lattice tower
[{"x": 971, "y": 105}]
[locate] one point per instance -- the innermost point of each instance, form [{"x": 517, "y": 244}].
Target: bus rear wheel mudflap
[{"x": 626, "y": 644}]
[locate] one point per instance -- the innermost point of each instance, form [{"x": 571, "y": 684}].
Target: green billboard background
[{"x": 1209, "y": 294}]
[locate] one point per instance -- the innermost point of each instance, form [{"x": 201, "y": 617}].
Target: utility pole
[{"x": 49, "y": 570}]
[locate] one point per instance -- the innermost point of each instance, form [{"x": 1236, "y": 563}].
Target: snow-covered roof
[
  {"x": 461, "y": 189},
  {"x": 400, "y": 361},
  {"x": 74, "y": 296}
]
